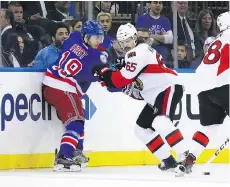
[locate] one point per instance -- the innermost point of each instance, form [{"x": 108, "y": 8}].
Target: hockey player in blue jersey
[{"x": 64, "y": 84}]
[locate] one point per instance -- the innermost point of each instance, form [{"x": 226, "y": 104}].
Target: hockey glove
[
  {"x": 133, "y": 91},
  {"x": 104, "y": 73}
]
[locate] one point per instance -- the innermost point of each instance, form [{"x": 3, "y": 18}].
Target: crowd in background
[{"x": 32, "y": 33}]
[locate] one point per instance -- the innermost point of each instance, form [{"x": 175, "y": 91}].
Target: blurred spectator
[
  {"x": 74, "y": 24},
  {"x": 45, "y": 41},
  {"x": 143, "y": 34},
  {"x": 159, "y": 28},
  {"x": 7, "y": 18},
  {"x": 105, "y": 20},
  {"x": 8, "y": 59},
  {"x": 146, "y": 9},
  {"x": 25, "y": 59},
  {"x": 182, "y": 52},
  {"x": 205, "y": 27},
  {"x": 30, "y": 34},
  {"x": 207, "y": 43},
  {"x": 60, "y": 12},
  {"x": 36, "y": 9},
  {"x": 21, "y": 44},
  {"x": 17, "y": 9},
  {"x": 184, "y": 28},
  {"x": 11, "y": 52},
  {"x": 115, "y": 52},
  {"x": 49, "y": 55},
  {"x": 19, "y": 22},
  {"x": 106, "y": 6}
]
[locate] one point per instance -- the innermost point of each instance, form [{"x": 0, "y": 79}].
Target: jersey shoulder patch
[
  {"x": 131, "y": 54},
  {"x": 103, "y": 58}
]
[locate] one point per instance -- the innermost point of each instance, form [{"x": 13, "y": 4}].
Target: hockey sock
[
  {"x": 70, "y": 138},
  {"x": 174, "y": 140},
  {"x": 158, "y": 148},
  {"x": 153, "y": 141},
  {"x": 172, "y": 135},
  {"x": 200, "y": 142},
  {"x": 81, "y": 142}
]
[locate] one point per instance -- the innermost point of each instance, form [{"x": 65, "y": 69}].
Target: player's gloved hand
[
  {"x": 133, "y": 91},
  {"x": 99, "y": 70},
  {"x": 120, "y": 63}
]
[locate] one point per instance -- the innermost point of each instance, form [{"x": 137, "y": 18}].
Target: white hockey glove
[{"x": 133, "y": 91}]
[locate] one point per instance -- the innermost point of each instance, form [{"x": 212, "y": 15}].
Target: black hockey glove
[{"x": 104, "y": 73}]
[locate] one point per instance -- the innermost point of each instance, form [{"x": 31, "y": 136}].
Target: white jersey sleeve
[{"x": 136, "y": 61}]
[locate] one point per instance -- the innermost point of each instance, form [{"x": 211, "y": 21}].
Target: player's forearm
[{"x": 119, "y": 81}]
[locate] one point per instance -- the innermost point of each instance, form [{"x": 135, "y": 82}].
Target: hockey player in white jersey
[
  {"x": 214, "y": 97},
  {"x": 158, "y": 87}
]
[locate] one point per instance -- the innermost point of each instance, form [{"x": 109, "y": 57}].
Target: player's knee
[
  {"x": 162, "y": 123},
  {"x": 138, "y": 131},
  {"x": 142, "y": 134}
]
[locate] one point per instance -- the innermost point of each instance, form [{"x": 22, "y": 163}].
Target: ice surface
[{"x": 134, "y": 176}]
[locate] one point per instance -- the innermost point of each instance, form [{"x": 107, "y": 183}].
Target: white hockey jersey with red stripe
[
  {"x": 146, "y": 66},
  {"x": 214, "y": 68}
]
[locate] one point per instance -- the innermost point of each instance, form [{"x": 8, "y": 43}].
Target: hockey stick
[{"x": 215, "y": 155}]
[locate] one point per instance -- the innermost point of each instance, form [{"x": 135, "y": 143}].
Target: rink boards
[{"x": 30, "y": 130}]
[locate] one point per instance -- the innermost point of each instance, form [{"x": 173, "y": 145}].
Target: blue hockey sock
[
  {"x": 81, "y": 142},
  {"x": 70, "y": 138}
]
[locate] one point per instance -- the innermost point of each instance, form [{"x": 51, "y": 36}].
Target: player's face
[
  {"x": 94, "y": 41},
  {"x": 127, "y": 44}
]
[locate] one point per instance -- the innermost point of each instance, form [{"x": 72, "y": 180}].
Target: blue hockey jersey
[{"x": 72, "y": 70}]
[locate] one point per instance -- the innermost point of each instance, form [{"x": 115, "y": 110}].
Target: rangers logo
[{"x": 103, "y": 59}]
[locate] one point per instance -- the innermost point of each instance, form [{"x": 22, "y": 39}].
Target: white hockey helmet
[
  {"x": 223, "y": 21},
  {"x": 126, "y": 31}
]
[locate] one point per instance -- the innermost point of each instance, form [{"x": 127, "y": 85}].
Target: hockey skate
[
  {"x": 185, "y": 166},
  {"x": 79, "y": 157},
  {"x": 64, "y": 164},
  {"x": 168, "y": 164}
]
